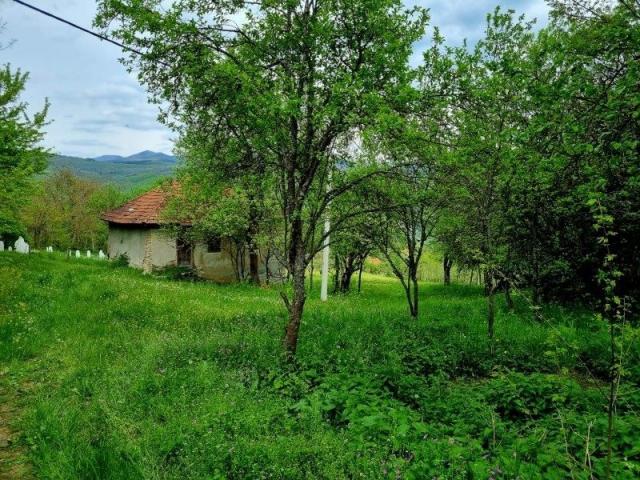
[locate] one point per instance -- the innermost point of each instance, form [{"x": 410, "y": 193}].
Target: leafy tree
[
  {"x": 450, "y": 245},
  {"x": 224, "y": 198},
  {"x": 439, "y": 90},
  {"x": 582, "y": 140},
  {"x": 351, "y": 247},
  {"x": 21, "y": 155},
  {"x": 409, "y": 210},
  {"x": 590, "y": 110},
  {"x": 410, "y": 204},
  {"x": 64, "y": 212},
  {"x": 488, "y": 116},
  {"x": 290, "y": 82}
]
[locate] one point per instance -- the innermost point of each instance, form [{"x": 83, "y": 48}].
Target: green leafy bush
[
  {"x": 120, "y": 261},
  {"x": 178, "y": 273}
]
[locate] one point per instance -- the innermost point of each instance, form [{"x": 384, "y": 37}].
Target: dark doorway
[{"x": 184, "y": 253}]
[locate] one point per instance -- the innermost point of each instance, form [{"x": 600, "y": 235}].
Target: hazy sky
[{"x": 98, "y": 108}]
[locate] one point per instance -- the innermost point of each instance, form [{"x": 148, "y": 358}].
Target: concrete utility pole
[{"x": 324, "y": 287}]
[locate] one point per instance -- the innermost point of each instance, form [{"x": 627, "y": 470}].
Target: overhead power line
[{"x": 82, "y": 29}]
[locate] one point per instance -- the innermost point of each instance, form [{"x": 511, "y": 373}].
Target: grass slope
[
  {"x": 122, "y": 174},
  {"x": 125, "y": 376}
]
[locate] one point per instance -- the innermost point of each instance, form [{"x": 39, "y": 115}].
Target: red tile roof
[{"x": 143, "y": 210}]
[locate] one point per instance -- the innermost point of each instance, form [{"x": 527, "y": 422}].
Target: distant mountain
[
  {"x": 146, "y": 156},
  {"x": 109, "y": 158},
  {"x": 125, "y": 172}
]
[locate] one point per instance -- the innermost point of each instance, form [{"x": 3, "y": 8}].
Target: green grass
[{"x": 124, "y": 376}]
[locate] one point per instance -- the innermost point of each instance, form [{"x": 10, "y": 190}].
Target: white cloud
[{"x": 96, "y": 106}]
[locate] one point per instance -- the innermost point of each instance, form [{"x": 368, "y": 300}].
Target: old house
[{"x": 135, "y": 230}]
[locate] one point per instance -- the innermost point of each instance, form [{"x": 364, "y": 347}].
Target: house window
[
  {"x": 183, "y": 251},
  {"x": 214, "y": 245}
]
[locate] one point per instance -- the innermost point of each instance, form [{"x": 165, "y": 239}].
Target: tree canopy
[
  {"x": 21, "y": 153},
  {"x": 287, "y": 81}
]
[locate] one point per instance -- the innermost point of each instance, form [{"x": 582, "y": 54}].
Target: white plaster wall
[
  {"x": 152, "y": 248},
  {"x": 214, "y": 266},
  {"x": 146, "y": 248},
  {"x": 129, "y": 242},
  {"x": 162, "y": 249},
  {"x": 219, "y": 267}
]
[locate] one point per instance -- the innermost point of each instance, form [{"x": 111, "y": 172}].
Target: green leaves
[{"x": 21, "y": 155}]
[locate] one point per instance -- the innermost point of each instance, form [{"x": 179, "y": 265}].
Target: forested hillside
[{"x": 123, "y": 172}]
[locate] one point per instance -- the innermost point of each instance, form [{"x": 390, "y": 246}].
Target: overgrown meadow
[{"x": 122, "y": 376}]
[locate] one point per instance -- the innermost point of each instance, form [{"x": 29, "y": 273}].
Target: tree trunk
[
  {"x": 360, "y": 277},
  {"x": 536, "y": 290},
  {"x": 407, "y": 292},
  {"x": 345, "y": 280},
  {"x": 507, "y": 296},
  {"x": 254, "y": 261},
  {"x": 446, "y": 265},
  {"x": 241, "y": 258},
  {"x": 488, "y": 283},
  {"x": 311, "y": 265},
  {"x": 414, "y": 307},
  {"x": 267, "y": 270},
  {"x": 347, "y": 273},
  {"x": 336, "y": 278},
  {"x": 235, "y": 260},
  {"x": 491, "y": 307},
  {"x": 411, "y": 290},
  {"x": 295, "y": 307}
]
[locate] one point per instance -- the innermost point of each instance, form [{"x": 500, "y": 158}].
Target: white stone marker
[
  {"x": 1, "y": 246},
  {"x": 77, "y": 253},
  {"x": 21, "y": 246},
  {"x": 88, "y": 253},
  {"x": 10, "y": 249},
  {"x": 101, "y": 255}
]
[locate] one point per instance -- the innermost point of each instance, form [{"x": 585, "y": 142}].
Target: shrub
[
  {"x": 120, "y": 261},
  {"x": 178, "y": 273}
]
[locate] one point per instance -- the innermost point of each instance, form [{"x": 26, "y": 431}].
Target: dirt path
[{"x": 14, "y": 464}]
